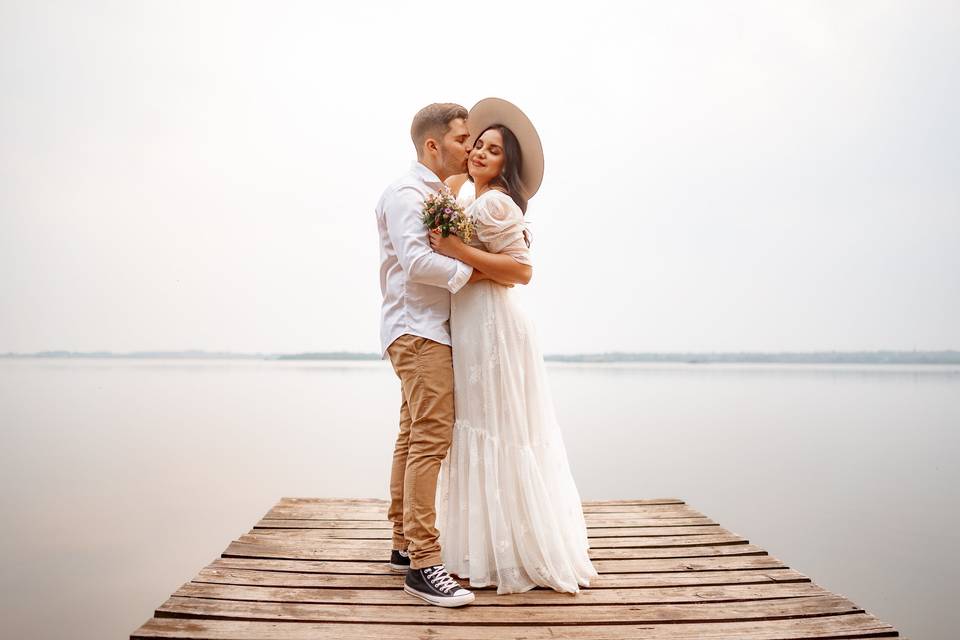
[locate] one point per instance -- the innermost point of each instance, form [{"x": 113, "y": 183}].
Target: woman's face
[{"x": 486, "y": 159}]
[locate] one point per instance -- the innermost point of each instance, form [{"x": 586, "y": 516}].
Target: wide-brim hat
[{"x": 491, "y": 111}]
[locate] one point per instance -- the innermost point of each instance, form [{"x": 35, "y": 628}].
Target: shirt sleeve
[
  {"x": 409, "y": 238},
  {"x": 501, "y": 228}
]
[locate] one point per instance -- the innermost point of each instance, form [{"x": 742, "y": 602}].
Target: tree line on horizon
[{"x": 832, "y": 357}]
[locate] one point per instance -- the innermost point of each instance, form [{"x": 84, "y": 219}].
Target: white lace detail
[{"x": 461, "y": 423}]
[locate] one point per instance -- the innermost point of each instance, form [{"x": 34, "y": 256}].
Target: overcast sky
[{"x": 719, "y": 176}]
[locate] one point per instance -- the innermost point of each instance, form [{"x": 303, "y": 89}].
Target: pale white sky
[{"x": 719, "y": 176}]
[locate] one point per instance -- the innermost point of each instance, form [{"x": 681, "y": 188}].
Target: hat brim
[{"x": 491, "y": 111}]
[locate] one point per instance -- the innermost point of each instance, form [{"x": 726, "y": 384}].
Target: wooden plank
[
  {"x": 381, "y": 510},
  {"x": 536, "y": 597},
  {"x": 599, "y": 519},
  {"x": 639, "y": 509},
  {"x": 309, "y": 500},
  {"x": 634, "y": 501},
  {"x": 731, "y": 563},
  {"x": 516, "y": 615},
  {"x": 222, "y": 573},
  {"x": 317, "y": 568},
  {"x": 592, "y": 520},
  {"x": 626, "y": 520},
  {"x": 314, "y": 537},
  {"x": 245, "y": 547},
  {"x": 689, "y": 529},
  {"x": 315, "y": 500},
  {"x": 859, "y": 625},
  {"x": 384, "y": 528}
]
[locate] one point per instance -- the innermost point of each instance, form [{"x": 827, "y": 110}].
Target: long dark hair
[{"x": 509, "y": 178}]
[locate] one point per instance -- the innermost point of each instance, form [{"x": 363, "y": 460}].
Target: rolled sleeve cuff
[{"x": 460, "y": 278}]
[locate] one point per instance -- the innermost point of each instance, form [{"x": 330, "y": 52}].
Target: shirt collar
[{"x": 424, "y": 173}]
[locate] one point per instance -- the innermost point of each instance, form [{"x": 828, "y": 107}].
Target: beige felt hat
[{"x": 491, "y": 111}]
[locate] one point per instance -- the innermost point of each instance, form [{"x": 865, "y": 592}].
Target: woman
[{"x": 509, "y": 512}]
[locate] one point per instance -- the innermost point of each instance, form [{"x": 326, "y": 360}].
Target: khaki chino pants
[{"x": 425, "y": 369}]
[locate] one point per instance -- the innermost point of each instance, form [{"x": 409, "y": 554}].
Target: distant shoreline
[{"x": 785, "y": 357}]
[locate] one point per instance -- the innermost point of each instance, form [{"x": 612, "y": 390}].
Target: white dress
[{"x": 509, "y": 513}]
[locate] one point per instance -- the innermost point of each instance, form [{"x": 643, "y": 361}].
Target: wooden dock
[{"x": 317, "y": 568}]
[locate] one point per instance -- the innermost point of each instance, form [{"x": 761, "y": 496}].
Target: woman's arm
[
  {"x": 478, "y": 275},
  {"x": 497, "y": 266}
]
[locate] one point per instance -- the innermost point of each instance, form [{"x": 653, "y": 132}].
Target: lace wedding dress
[{"x": 509, "y": 513}]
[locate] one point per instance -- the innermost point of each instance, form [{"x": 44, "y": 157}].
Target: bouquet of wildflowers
[{"x": 441, "y": 211}]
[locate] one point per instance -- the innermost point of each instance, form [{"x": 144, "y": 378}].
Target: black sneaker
[
  {"x": 399, "y": 561},
  {"x": 435, "y": 585}
]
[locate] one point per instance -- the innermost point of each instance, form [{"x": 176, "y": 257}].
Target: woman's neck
[{"x": 480, "y": 189}]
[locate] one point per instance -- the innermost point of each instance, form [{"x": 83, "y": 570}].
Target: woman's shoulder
[
  {"x": 465, "y": 195},
  {"x": 499, "y": 205},
  {"x": 456, "y": 182}
]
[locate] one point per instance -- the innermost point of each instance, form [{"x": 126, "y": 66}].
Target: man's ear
[{"x": 430, "y": 145}]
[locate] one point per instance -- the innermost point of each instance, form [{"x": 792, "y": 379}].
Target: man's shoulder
[
  {"x": 409, "y": 179},
  {"x": 406, "y": 188}
]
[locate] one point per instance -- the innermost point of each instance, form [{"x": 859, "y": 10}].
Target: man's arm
[{"x": 409, "y": 237}]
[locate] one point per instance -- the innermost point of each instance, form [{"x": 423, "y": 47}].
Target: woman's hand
[{"x": 449, "y": 246}]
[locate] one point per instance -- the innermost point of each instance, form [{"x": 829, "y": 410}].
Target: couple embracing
[{"x": 476, "y": 416}]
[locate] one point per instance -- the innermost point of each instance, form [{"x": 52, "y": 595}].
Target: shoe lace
[{"x": 441, "y": 579}]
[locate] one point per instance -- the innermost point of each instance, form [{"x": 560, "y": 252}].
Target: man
[{"x": 416, "y": 284}]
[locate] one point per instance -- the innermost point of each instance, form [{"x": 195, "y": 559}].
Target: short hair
[{"x": 434, "y": 121}]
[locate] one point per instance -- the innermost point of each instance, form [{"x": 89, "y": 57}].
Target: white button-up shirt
[{"x": 416, "y": 282}]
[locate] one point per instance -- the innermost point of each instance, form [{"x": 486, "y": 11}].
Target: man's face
[{"x": 453, "y": 148}]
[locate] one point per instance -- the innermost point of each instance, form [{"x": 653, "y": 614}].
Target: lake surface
[{"x": 121, "y": 479}]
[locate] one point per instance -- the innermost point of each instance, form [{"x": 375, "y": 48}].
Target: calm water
[{"x": 122, "y": 478}]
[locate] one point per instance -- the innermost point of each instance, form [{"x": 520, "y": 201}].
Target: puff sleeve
[{"x": 501, "y": 227}]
